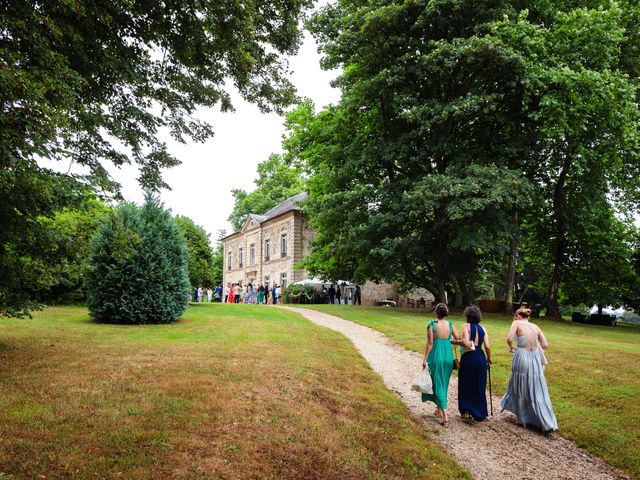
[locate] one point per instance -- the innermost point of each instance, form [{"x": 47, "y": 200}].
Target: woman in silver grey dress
[{"x": 527, "y": 395}]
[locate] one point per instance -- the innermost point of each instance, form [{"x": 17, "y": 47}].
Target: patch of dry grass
[{"x": 228, "y": 392}]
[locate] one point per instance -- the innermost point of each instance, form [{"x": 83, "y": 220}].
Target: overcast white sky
[{"x": 201, "y": 185}]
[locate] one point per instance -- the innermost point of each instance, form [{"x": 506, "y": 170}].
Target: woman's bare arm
[
  {"x": 487, "y": 345},
  {"x": 428, "y": 347},
  {"x": 542, "y": 339},
  {"x": 512, "y": 335},
  {"x": 455, "y": 333},
  {"x": 466, "y": 336}
]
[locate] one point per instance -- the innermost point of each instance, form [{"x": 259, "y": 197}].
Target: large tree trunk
[
  {"x": 553, "y": 309},
  {"x": 559, "y": 249},
  {"x": 457, "y": 294},
  {"x": 510, "y": 279},
  {"x": 442, "y": 292}
]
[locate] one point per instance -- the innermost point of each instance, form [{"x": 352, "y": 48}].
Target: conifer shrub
[{"x": 138, "y": 267}]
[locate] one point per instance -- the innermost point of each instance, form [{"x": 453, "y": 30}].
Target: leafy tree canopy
[
  {"x": 69, "y": 235},
  {"x": 277, "y": 181},
  {"x": 81, "y": 79},
  {"x": 458, "y": 122},
  {"x": 32, "y": 249},
  {"x": 199, "y": 251}
]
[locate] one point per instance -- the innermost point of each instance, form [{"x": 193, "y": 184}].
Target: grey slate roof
[
  {"x": 258, "y": 218},
  {"x": 289, "y": 204}
]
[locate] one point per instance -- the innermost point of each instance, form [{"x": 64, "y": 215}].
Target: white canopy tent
[{"x": 316, "y": 282}]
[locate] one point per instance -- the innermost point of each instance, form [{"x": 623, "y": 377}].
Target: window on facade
[
  {"x": 283, "y": 280},
  {"x": 252, "y": 254},
  {"x": 229, "y": 261},
  {"x": 240, "y": 258},
  {"x": 267, "y": 249},
  {"x": 283, "y": 245}
]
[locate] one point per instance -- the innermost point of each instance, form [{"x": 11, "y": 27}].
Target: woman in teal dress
[
  {"x": 260, "y": 294},
  {"x": 439, "y": 356}
]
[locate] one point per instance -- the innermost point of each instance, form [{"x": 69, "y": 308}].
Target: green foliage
[
  {"x": 467, "y": 129},
  {"x": 276, "y": 182},
  {"x": 199, "y": 253},
  {"x": 138, "y": 267},
  {"x": 407, "y": 180},
  {"x": 81, "y": 78},
  {"x": 218, "y": 258},
  {"x": 67, "y": 251},
  {"x": 94, "y": 83},
  {"x": 31, "y": 196},
  {"x": 304, "y": 294},
  {"x": 583, "y": 107}
]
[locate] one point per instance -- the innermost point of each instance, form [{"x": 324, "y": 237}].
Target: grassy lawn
[
  {"x": 593, "y": 374},
  {"x": 227, "y": 392}
]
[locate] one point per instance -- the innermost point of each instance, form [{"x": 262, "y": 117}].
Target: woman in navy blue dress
[{"x": 472, "y": 376}]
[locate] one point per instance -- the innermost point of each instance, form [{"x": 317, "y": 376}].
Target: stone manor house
[{"x": 268, "y": 246}]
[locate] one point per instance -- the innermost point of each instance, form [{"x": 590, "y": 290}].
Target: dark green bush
[
  {"x": 305, "y": 294},
  {"x": 138, "y": 267}
]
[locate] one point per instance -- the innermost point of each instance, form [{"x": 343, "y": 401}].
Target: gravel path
[{"x": 495, "y": 448}]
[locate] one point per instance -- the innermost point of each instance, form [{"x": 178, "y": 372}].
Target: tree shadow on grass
[{"x": 6, "y": 347}]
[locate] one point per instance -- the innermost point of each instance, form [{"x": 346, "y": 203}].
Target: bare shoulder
[{"x": 536, "y": 327}]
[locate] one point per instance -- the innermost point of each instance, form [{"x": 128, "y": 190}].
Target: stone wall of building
[
  {"x": 373, "y": 292},
  {"x": 274, "y": 270},
  {"x": 278, "y": 268},
  {"x": 415, "y": 294}
]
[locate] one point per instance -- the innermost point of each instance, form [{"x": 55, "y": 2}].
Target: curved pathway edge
[{"x": 495, "y": 448}]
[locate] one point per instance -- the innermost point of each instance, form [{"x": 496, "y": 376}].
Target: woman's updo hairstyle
[
  {"x": 523, "y": 312},
  {"x": 442, "y": 310},
  {"x": 473, "y": 314}
]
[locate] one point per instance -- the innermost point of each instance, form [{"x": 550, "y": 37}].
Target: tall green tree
[
  {"x": 67, "y": 250},
  {"x": 415, "y": 173},
  {"x": 138, "y": 267},
  {"x": 277, "y": 180},
  {"x": 458, "y": 122},
  {"x": 218, "y": 258},
  {"x": 199, "y": 252},
  {"x": 583, "y": 104},
  {"x": 27, "y": 262}
]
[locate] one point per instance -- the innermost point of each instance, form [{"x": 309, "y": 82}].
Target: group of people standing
[
  {"x": 207, "y": 294},
  {"x": 527, "y": 395},
  {"x": 336, "y": 294},
  {"x": 251, "y": 294}
]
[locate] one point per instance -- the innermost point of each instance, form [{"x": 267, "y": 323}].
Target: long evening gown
[
  {"x": 527, "y": 395},
  {"x": 440, "y": 361},
  {"x": 472, "y": 378}
]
